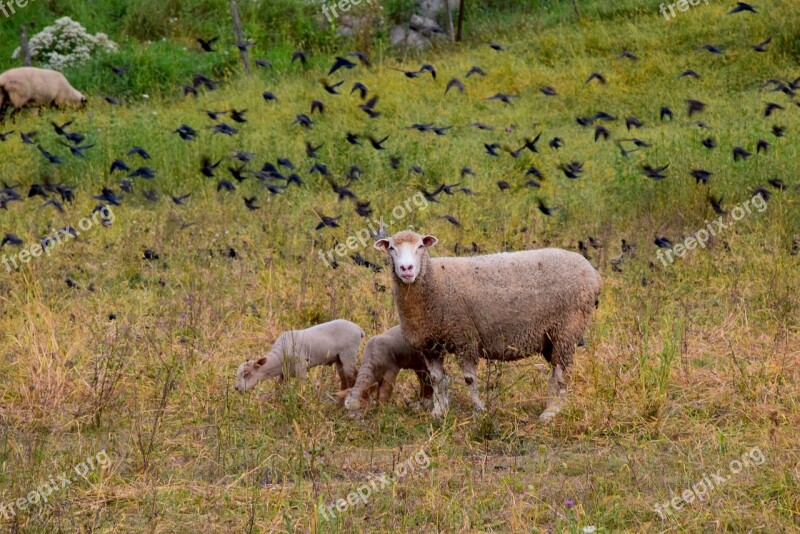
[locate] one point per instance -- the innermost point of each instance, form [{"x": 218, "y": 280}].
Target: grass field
[{"x": 688, "y": 366}]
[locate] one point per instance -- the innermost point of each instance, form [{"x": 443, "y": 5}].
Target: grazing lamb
[
  {"x": 499, "y": 307},
  {"x": 29, "y": 86},
  {"x": 384, "y": 356},
  {"x": 294, "y": 352}
]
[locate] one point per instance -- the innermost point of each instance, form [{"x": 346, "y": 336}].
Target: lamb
[
  {"x": 296, "y": 351},
  {"x": 29, "y": 86},
  {"x": 384, "y": 356},
  {"x": 499, "y": 306}
]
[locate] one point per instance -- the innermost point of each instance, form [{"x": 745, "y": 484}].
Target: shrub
[{"x": 65, "y": 43}]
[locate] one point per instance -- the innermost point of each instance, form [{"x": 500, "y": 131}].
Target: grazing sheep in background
[
  {"x": 294, "y": 352},
  {"x": 499, "y": 307},
  {"x": 384, "y": 356},
  {"x": 29, "y": 86}
]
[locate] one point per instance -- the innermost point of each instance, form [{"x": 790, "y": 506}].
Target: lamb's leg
[
  {"x": 439, "y": 381},
  {"x": 387, "y": 386},
  {"x": 469, "y": 367},
  {"x": 349, "y": 369},
  {"x": 559, "y": 381},
  {"x": 342, "y": 376}
]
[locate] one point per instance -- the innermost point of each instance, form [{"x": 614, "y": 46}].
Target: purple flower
[{"x": 569, "y": 504}]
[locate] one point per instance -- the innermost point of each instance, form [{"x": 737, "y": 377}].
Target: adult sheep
[
  {"x": 29, "y": 86},
  {"x": 499, "y": 307}
]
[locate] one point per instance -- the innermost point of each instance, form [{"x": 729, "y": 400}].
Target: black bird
[
  {"x": 244, "y": 46},
  {"x": 627, "y": 55},
  {"x": 341, "y": 62},
  {"x": 369, "y": 107},
  {"x": 556, "y": 143},
  {"x": 214, "y": 115},
  {"x": 207, "y": 45},
  {"x": 208, "y": 169},
  {"x": 762, "y": 145},
  {"x": 60, "y": 129},
  {"x": 55, "y": 203},
  {"x": 179, "y": 200},
  {"x": 771, "y": 107},
  {"x": 535, "y": 172},
  {"x": 126, "y": 185},
  {"x": 4, "y": 136},
  {"x": 713, "y": 49},
  {"x": 695, "y": 106},
  {"x": 394, "y": 161},
  {"x": 503, "y": 185},
  {"x": 11, "y": 239},
  {"x": 476, "y": 70},
  {"x": 632, "y": 122},
  {"x": 330, "y": 222},
  {"x": 311, "y": 150},
  {"x": 777, "y": 184},
  {"x": 596, "y": 76},
  {"x": 119, "y": 71},
  {"x": 109, "y": 196},
  {"x": 742, "y": 7},
  {"x": 689, "y": 73},
  {"x": 572, "y": 170},
  {"x": 226, "y": 185},
  {"x": 503, "y": 97},
  {"x": 701, "y": 175},
  {"x": 441, "y": 130},
  {"x": 143, "y": 172},
  {"x": 666, "y": 112},
  {"x": 544, "y": 209},
  {"x": 28, "y": 138},
  {"x": 431, "y": 197},
  {"x": 189, "y": 90},
  {"x": 150, "y": 254},
  {"x": 114, "y": 101},
  {"x": 299, "y": 54},
  {"x": 740, "y": 153},
  {"x": 151, "y": 195},
  {"x": 778, "y": 131},
  {"x": 656, "y": 173},
  {"x": 662, "y": 242},
  {"x": 491, "y": 149},
  {"x": 223, "y": 128},
  {"x": 283, "y": 162},
  {"x": 251, "y": 203},
  {"x": 237, "y": 173},
  {"x": 361, "y": 88},
  {"x": 67, "y": 193},
  {"x": 481, "y": 126},
  {"x": 187, "y": 133},
  {"x": 303, "y": 120},
  {"x": 37, "y": 190},
  {"x": 361, "y": 57},
  {"x": 762, "y": 46},
  {"x": 52, "y": 158},
  {"x": 408, "y": 73},
  {"x": 352, "y": 138},
  {"x": 139, "y": 151},
  {"x": 77, "y": 151},
  {"x": 601, "y": 131},
  {"x": 317, "y": 105},
  {"x": 716, "y": 203},
  {"x": 427, "y": 67},
  {"x": 452, "y": 220},
  {"x": 762, "y": 191},
  {"x": 496, "y": 46},
  {"x": 320, "y": 168},
  {"x": 263, "y": 63},
  {"x": 363, "y": 209},
  {"x": 454, "y": 82},
  {"x": 244, "y": 157},
  {"x": 467, "y": 171},
  {"x": 709, "y": 143},
  {"x": 238, "y": 116},
  {"x": 269, "y": 96},
  {"x": 377, "y": 144}
]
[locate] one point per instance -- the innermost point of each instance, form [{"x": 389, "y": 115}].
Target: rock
[
  {"x": 425, "y": 26},
  {"x": 417, "y": 40},
  {"x": 397, "y": 35},
  {"x": 432, "y": 8}
]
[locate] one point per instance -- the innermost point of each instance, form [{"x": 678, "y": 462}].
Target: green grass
[{"x": 685, "y": 369}]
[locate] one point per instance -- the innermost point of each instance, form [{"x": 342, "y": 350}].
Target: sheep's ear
[
  {"x": 382, "y": 244},
  {"x": 429, "y": 241},
  {"x": 260, "y": 362},
  {"x": 342, "y": 394}
]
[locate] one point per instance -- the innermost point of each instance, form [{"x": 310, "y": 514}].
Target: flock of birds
[{"x": 283, "y": 174}]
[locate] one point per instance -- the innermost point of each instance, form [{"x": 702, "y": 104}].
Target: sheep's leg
[
  {"x": 349, "y": 370},
  {"x": 425, "y": 388},
  {"x": 559, "y": 381},
  {"x": 342, "y": 377},
  {"x": 439, "y": 381},
  {"x": 387, "y": 386},
  {"x": 469, "y": 367},
  {"x": 14, "y": 113}
]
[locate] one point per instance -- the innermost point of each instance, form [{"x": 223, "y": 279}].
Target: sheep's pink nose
[{"x": 407, "y": 269}]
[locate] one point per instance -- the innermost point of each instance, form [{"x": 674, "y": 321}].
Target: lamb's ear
[
  {"x": 382, "y": 244},
  {"x": 260, "y": 362},
  {"x": 428, "y": 241},
  {"x": 342, "y": 394}
]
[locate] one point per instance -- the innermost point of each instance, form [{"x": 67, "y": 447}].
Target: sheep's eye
[
  {"x": 391, "y": 249},
  {"x": 421, "y": 246}
]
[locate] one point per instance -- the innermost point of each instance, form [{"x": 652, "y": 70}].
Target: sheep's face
[
  {"x": 406, "y": 250},
  {"x": 246, "y": 374}
]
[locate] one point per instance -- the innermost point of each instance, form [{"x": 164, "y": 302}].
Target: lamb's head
[
  {"x": 247, "y": 374},
  {"x": 408, "y": 251}
]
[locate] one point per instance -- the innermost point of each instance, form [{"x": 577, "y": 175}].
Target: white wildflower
[{"x": 65, "y": 43}]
